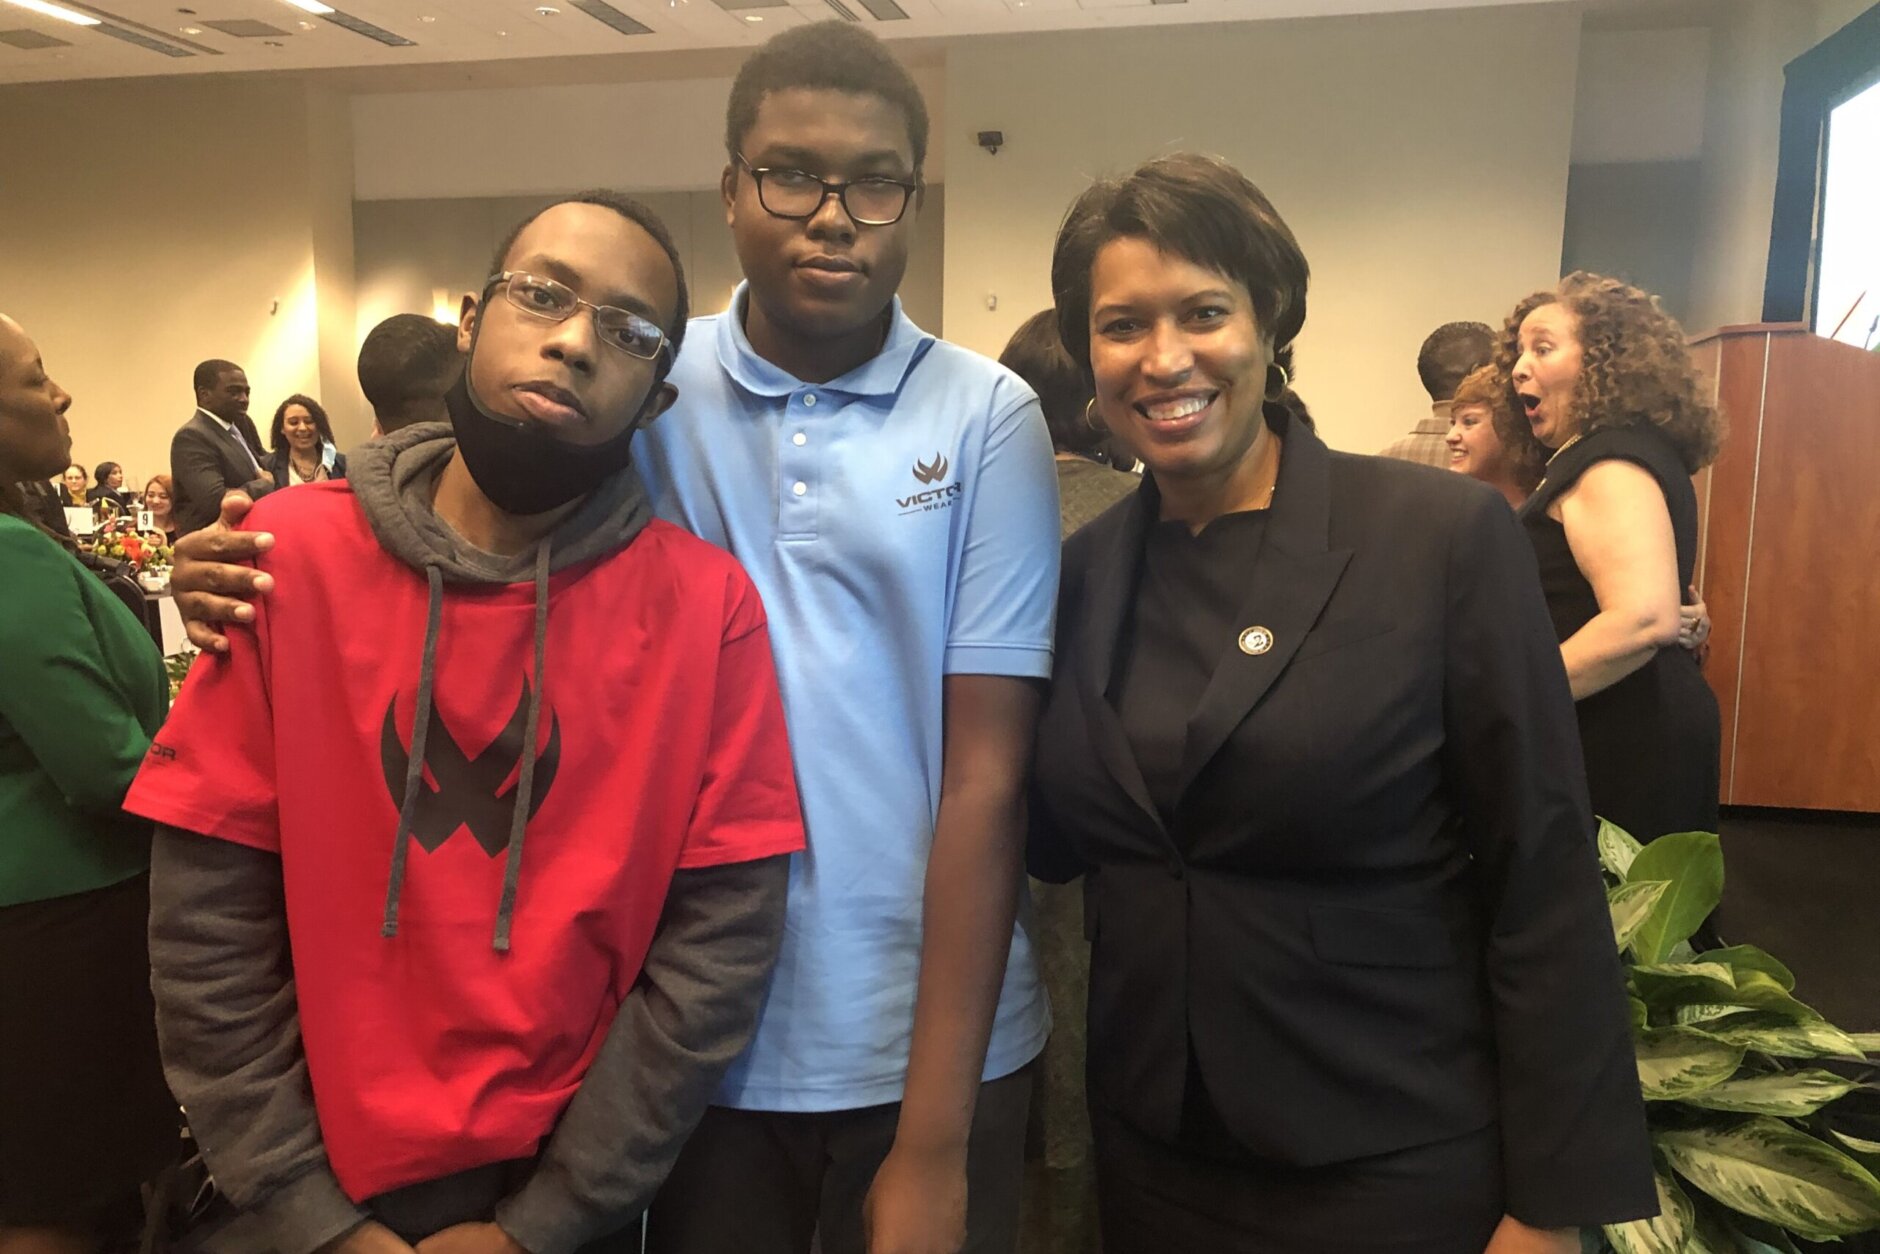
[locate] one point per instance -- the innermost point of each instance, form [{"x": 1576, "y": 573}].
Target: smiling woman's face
[{"x": 1179, "y": 358}]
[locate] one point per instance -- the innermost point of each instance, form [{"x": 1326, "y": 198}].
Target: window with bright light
[{"x": 1847, "y": 286}]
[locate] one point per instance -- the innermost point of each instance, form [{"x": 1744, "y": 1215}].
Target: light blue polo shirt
[{"x": 901, "y": 523}]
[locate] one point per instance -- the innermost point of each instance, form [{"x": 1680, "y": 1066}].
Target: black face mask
[{"x": 519, "y": 466}]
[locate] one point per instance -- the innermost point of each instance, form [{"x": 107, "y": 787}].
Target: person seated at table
[
  {"x": 159, "y": 498},
  {"x": 74, "y": 488}
]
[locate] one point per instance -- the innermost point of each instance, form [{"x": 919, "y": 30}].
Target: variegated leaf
[
  {"x": 1767, "y": 1169},
  {"x": 1669, "y": 1232},
  {"x": 1677, "y": 1062},
  {"x": 1790, "y": 1094},
  {"x": 1774, "y": 1035},
  {"x": 1665, "y": 984},
  {"x": 1741, "y": 958},
  {"x": 1617, "y": 848},
  {"x": 1755, "y": 991},
  {"x": 1631, "y": 905}
]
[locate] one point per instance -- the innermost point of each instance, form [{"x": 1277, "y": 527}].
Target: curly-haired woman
[{"x": 1606, "y": 384}]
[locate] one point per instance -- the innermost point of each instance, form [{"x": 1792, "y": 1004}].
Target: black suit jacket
[
  {"x": 204, "y": 463},
  {"x": 1376, "y": 912}
]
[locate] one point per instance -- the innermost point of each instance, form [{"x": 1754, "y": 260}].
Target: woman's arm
[
  {"x": 56, "y": 691},
  {"x": 1619, "y": 529}
]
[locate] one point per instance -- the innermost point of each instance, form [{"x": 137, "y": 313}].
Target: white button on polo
[
  {"x": 800, "y": 489},
  {"x": 799, "y": 439},
  {"x": 809, "y": 398}
]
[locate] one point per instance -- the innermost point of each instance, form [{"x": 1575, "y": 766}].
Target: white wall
[
  {"x": 659, "y": 136},
  {"x": 1641, "y": 95},
  {"x": 1421, "y": 186},
  {"x": 422, "y": 256},
  {"x": 1742, "y": 138},
  {"x": 145, "y": 226}
]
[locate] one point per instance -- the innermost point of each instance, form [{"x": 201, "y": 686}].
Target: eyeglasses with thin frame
[
  {"x": 631, "y": 333},
  {"x": 872, "y": 200}
]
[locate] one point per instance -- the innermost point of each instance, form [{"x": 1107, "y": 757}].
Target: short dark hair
[
  {"x": 406, "y": 360},
  {"x": 642, "y": 217},
  {"x": 276, "y": 433},
  {"x": 209, "y": 373},
  {"x": 1036, "y": 355},
  {"x": 1451, "y": 354},
  {"x": 833, "y": 55},
  {"x": 103, "y": 472},
  {"x": 1198, "y": 208}
]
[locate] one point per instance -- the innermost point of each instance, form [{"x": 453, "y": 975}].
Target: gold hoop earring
[
  {"x": 1090, "y": 419},
  {"x": 1285, "y": 381}
]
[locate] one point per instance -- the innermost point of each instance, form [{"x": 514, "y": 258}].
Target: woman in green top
[{"x": 84, "y": 1114}]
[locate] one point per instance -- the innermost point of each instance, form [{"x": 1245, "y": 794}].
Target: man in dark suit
[{"x": 217, "y": 449}]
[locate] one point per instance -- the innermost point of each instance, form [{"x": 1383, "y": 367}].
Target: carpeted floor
[{"x": 1803, "y": 885}]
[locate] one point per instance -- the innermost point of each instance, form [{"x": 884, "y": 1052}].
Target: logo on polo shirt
[
  {"x": 469, "y": 790},
  {"x": 940, "y": 494}
]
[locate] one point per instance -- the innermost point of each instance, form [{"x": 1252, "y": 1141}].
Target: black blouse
[{"x": 1182, "y": 619}]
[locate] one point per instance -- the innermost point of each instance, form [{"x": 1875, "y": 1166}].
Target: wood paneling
[
  {"x": 1808, "y": 728},
  {"x": 1791, "y": 541},
  {"x": 1725, "y": 500}
]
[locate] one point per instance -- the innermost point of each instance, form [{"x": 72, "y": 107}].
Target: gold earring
[
  {"x": 1285, "y": 381},
  {"x": 1090, "y": 419}
]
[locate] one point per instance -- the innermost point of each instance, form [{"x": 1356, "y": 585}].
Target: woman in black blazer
[
  {"x": 301, "y": 444},
  {"x": 1353, "y": 984}
]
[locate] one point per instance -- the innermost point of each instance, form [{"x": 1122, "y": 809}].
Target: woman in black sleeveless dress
[{"x": 1611, "y": 399}]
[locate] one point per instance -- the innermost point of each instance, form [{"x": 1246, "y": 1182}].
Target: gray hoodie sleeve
[
  {"x": 228, "y": 1023},
  {"x": 688, "y": 1018}
]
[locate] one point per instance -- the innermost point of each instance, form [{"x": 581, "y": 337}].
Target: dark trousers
[
  {"x": 1199, "y": 1198},
  {"x": 761, "y": 1182}
]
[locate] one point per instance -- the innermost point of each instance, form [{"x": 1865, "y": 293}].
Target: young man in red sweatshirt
[{"x": 457, "y": 921}]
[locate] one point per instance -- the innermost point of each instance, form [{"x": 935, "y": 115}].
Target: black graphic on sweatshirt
[{"x": 470, "y": 792}]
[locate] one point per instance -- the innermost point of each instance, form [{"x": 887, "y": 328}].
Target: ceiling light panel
[
  {"x": 359, "y": 26},
  {"x": 608, "y": 15},
  {"x": 31, "y": 40},
  {"x": 141, "y": 40},
  {"x": 57, "y": 11},
  {"x": 245, "y": 28}
]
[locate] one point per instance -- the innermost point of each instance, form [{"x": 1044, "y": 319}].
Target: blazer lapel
[
  {"x": 1292, "y": 577},
  {"x": 1111, "y": 588}
]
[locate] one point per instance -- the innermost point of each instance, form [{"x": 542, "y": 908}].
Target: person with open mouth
[{"x": 1604, "y": 383}]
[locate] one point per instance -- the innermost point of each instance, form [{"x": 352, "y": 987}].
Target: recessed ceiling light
[
  {"x": 503, "y": 33},
  {"x": 753, "y": 17},
  {"x": 192, "y": 30},
  {"x": 305, "y": 25},
  {"x": 547, "y": 10},
  {"x": 63, "y": 14},
  {"x": 312, "y": 6}
]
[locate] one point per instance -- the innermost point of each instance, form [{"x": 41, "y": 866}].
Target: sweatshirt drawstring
[
  {"x": 414, "y": 770},
  {"x": 525, "y": 783}
]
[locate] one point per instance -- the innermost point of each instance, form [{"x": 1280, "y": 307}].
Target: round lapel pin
[{"x": 1255, "y": 640}]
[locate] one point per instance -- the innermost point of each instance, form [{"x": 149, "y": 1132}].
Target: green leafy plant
[
  {"x": 1747, "y": 1154},
  {"x": 176, "y": 668}
]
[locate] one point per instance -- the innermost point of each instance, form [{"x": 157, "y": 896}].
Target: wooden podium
[{"x": 1789, "y": 561}]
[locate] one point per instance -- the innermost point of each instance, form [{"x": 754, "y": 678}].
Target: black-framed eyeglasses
[
  {"x": 872, "y": 200},
  {"x": 631, "y": 333}
]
